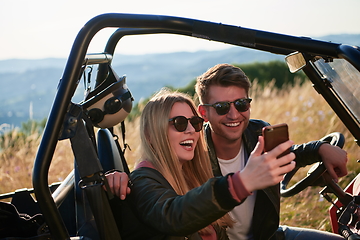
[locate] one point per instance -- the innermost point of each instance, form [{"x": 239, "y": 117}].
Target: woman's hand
[{"x": 265, "y": 169}]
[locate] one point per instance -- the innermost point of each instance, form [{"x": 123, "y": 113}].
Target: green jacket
[{"x": 267, "y": 204}]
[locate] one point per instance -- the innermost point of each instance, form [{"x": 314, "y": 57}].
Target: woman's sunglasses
[
  {"x": 180, "y": 123},
  {"x": 222, "y": 108}
]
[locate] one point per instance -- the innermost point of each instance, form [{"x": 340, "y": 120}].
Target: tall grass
[
  {"x": 17, "y": 158},
  {"x": 309, "y": 118},
  {"x": 307, "y": 114}
]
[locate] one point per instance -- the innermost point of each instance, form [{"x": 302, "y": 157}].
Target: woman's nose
[{"x": 190, "y": 128}]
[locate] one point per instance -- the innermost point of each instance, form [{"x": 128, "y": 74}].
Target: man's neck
[{"x": 226, "y": 149}]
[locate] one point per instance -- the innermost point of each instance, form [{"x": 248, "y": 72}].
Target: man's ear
[{"x": 203, "y": 112}]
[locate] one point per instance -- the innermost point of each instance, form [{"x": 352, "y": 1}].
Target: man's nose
[{"x": 233, "y": 112}]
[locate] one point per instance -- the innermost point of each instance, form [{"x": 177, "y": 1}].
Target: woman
[{"x": 174, "y": 193}]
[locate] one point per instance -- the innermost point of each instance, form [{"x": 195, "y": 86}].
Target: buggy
[{"x": 79, "y": 207}]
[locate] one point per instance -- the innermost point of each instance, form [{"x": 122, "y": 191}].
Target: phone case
[{"x": 275, "y": 135}]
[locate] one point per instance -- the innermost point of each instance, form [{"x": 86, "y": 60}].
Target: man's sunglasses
[
  {"x": 180, "y": 123},
  {"x": 222, "y": 108}
]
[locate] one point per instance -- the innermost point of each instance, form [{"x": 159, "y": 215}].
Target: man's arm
[{"x": 333, "y": 157}]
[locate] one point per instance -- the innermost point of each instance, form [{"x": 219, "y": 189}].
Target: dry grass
[
  {"x": 18, "y": 159},
  {"x": 306, "y": 113},
  {"x": 309, "y": 118}
]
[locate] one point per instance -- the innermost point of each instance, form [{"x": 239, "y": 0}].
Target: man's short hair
[{"x": 220, "y": 75}]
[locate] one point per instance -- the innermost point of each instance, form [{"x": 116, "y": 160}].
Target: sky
[{"x": 36, "y": 29}]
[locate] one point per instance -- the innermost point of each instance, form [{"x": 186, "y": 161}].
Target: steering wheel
[{"x": 336, "y": 139}]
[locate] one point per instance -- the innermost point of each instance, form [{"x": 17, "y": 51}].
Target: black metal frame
[{"x": 131, "y": 24}]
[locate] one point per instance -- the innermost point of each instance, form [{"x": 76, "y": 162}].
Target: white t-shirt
[{"x": 243, "y": 213}]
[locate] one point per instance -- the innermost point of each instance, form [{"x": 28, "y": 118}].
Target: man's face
[{"x": 229, "y": 127}]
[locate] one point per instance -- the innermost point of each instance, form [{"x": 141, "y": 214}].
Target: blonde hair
[{"x": 156, "y": 148}]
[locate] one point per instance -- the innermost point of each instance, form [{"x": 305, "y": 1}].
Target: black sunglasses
[
  {"x": 111, "y": 106},
  {"x": 222, "y": 108},
  {"x": 180, "y": 123}
]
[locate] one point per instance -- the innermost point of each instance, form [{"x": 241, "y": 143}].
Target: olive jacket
[{"x": 267, "y": 204}]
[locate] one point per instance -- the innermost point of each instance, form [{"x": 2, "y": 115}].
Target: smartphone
[{"x": 275, "y": 135}]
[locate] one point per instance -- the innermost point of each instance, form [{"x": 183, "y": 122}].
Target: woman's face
[{"x": 183, "y": 143}]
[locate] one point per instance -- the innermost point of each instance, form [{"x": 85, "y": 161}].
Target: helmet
[{"x": 110, "y": 102}]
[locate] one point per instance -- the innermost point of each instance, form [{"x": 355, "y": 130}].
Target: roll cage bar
[{"x": 135, "y": 24}]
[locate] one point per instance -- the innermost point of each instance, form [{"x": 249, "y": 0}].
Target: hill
[{"x": 29, "y": 86}]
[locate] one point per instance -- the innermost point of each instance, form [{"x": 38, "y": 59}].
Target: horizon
[{"x": 227, "y": 46}]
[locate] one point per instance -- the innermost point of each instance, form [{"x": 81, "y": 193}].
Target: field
[{"x": 307, "y": 114}]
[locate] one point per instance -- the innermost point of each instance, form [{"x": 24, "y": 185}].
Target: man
[{"x": 234, "y": 145}]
